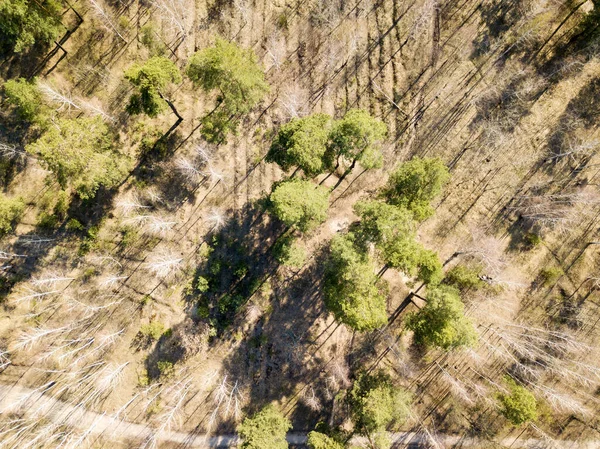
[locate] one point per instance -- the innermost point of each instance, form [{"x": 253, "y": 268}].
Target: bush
[
  {"x": 519, "y": 405},
  {"x": 300, "y": 203},
  {"x": 549, "y": 276},
  {"x": 11, "y": 210},
  {"x": 152, "y": 330},
  {"x": 166, "y": 369},
  {"x": 464, "y": 278},
  {"x": 266, "y": 429},
  {"x": 289, "y": 253}
]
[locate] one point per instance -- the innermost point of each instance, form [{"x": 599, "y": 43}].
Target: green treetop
[
  {"x": 151, "y": 78},
  {"x": 415, "y": 184},
  {"x": 11, "y": 210},
  {"x": 26, "y": 22},
  {"x": 25, "y": 97},
  {"x": 442, "y": 322},
  {"x": 301, "y": 143},
  {"x": 266, "y": 429},
  {"x": 393, "y": 230},
  {"x": 376, "y": 403},
  {"x": 235, "y": 74},
  {"x": 317, "y": 440},
  {"x": 300, "y": 203},
  {"x": 80, "y": 153},
  {"x": 352, "y": 291},
  {"x": 356, "y": 138},
  {"x": 519, "y": 405}
]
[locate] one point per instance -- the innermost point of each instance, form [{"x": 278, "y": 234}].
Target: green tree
[
  {"x": 519, "y": 405},
  {"x": 300, "y": 203},
  {"x": 376, "y": 403},
  {"x": 26, "y": 22},
  {"x": 151, "y": 79},
  {"x": 415, "y": 184},
  {"x": 235, "y": 74},
  {"x": 266, "y": 429},
  {"x": 81, "y": 154},
  {"x": 355, "y": 138},
  {"x": 352, "y": 291},
  {"x": 25, "y": 97},
  {"x": 302, "y": 143},
  {"x": 11, "y": 210},
  {"x": 393, "y": 231},
  {"x": 317, "y": 440},
  {"x": 442, "y": 322}
]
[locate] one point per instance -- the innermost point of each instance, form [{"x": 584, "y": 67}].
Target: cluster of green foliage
[
  {"x": 302, "y": 143},
  {"x": 393, "y": 231},
  {"x": 316, "y": 143},
  {"x": 11, "y": 210},
  {"x": 266, "y": 429},
  {"x": 81, "y": 154},
  {"x": 25, "y": 97},
  {"x": 152, "y": 330},
  {"x": 414, "y": 184},
  {"x": 352, "y": 291},
  {"x": 519, "y": 405},
  {"x": 376, "y": 403},
  {"x": 464, "y": 277},
  {"x": 442, "y": 322},
  {"x": 318, "y": 440},
  {"x": 24, "y": 23},
  {"x": 549, "y": 276},
  {"x": 300, "y": 203},
  {"x": 151, "y": 78},
  {"x": 288, "y": 252},
  {"x": 235, "y": 74},
  {"x": 356, "y": 138}
]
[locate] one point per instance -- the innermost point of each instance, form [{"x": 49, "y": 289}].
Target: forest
[{"x": 272, "y": 224}]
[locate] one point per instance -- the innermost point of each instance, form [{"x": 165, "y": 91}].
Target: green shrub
[
  {"x": 549, "y": 276},
  {"x": 289, "y": 253},
  {"x": 25, "y": 97},
  {"x": 531, "y": 239},
  {"x": 74, "y": 225},
  {"x": 166, "y": 369},
  {"x": 519, "y": 405},
  {"x": 11, "y": 210},
  {"x": 153, "y": 330},
  {"x": 464, "y": 277}
]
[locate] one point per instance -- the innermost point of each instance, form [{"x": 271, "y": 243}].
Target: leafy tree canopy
[
  {"x": 376, "y": 403},
  {"x": 25, "y": 97},
  {"x": 317, "y": 440},
  {"x": 151, "y": 78},
  {"x": 26, "y": 22},
  {"x": 300, "y": 203},
  {"x": 356, "y": 137},
  {"x": 352, "y": 291},
  {"x": 393, "y": 231},
  {"x": 415, "y": 184},
  {"x": 80, "y": 153},
  {"x": 301, "y": 143},
  {"x": 442, "y": 321},
  {"x": 233, "y": 71},
  {"x": 266, "y": 429},
  {"x": 11, "y": 210},
  {"x": 519, "y": 405}
]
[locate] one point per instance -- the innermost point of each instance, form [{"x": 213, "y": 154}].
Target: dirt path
[{"x": 16, "y": 398}]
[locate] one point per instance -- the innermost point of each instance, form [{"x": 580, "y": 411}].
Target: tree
[
  {"x": 352, "y": 291},
  {"x": 26, "y": 22},
  {"x": 266, "y": 428},
  {"x": 355, "y": 138},
  {"x": 442, "y": 321},
  {"x": 393, "y": 231},
  {"x": 519, "y": 405},
  {"x": 234, "y": 72},
  {"x": 80, "y": 153},
  {"x": 25, "y": 97},
  {"x": 317, "y": 440},
  {"x": 151, "y": 78},
  {"x": 415, "y": 184},
  {"x": 300, "y": 203},
  {"x": 301, "y": 143},
  {"x": 11, "y": 210},
  {"x": 376, "y": 403}
]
